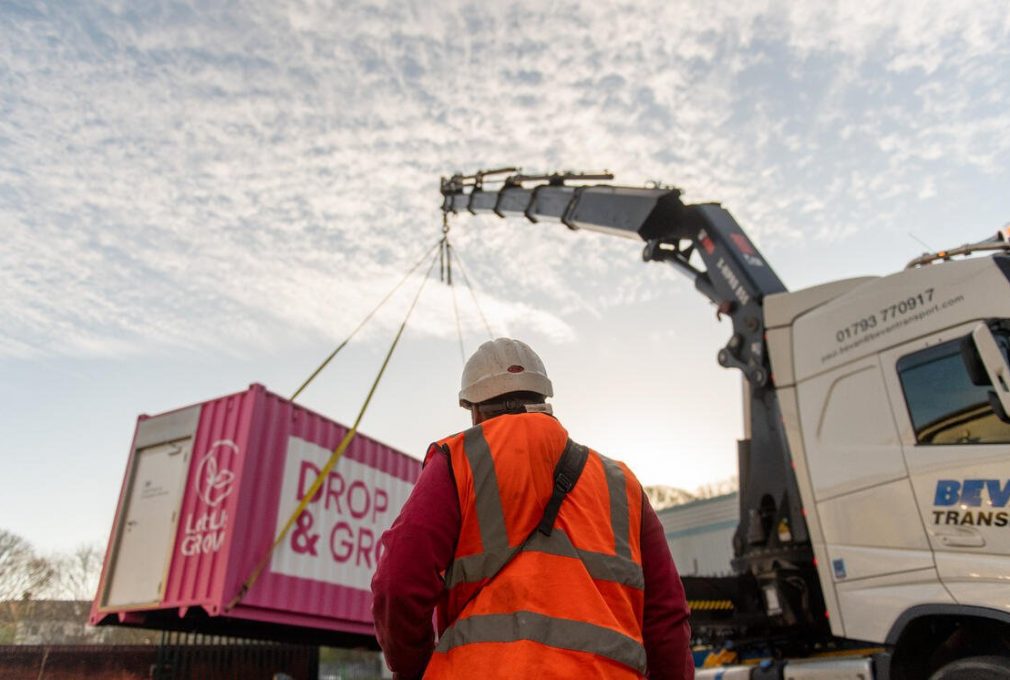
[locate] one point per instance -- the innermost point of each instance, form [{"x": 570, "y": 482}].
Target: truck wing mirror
[
  {"x": 997, "y": 368},
  {"x": 973, "y": 362}
]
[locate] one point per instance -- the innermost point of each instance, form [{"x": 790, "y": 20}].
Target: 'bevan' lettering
[{"x": 969, "y": 493}]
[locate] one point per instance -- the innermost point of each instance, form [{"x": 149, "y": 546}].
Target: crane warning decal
[
  {"x": 336, "y": 538},
  {"x": 746, "y": 250},
  {"x": 732, "y": 281},
  {"x": 706, "y": 242}
]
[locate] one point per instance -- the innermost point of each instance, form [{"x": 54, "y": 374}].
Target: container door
[{"x": 147, "y": 528}]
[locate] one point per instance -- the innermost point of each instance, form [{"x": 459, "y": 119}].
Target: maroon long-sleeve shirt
[{"x": 420, "y": 546}]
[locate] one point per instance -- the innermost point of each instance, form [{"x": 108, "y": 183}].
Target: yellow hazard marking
[
  {"x": 700, "y": 605},
  {"x": 864, "y": 651},
  {"x": 721, "y": 658}
]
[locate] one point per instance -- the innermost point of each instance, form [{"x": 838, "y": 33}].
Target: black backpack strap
[{"x": 566, "y": 473}]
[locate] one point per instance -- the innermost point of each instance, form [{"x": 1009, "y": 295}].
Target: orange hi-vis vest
[{"x": 568, "y": 605}]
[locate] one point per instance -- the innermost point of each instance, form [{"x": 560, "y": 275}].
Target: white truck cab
[{"x": 902, "y": 461}]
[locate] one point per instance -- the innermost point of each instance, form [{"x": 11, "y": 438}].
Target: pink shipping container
[{"x": 206, "y": 491}]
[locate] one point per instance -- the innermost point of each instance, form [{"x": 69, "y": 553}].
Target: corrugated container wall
[
  {"x": 206, "y": 491},
  {"x": 700, "y": 534}
]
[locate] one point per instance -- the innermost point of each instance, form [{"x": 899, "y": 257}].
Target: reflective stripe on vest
[
  {"x": 623, "y": 570},
  {"x": 553, "y": 632},
  {"x": 618, "y": 507},
  {"x": 490, "y": 516}
]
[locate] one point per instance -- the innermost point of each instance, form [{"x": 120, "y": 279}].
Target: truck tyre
[{"x": 975, "y": 668}]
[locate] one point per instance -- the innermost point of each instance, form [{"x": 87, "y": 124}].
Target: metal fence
[
  {"x": 351, "y": 664},
  {"x": 192, "y": 656}
]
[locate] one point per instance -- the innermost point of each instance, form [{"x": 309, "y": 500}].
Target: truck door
[
  {"x": 956, "y": 448},
  {"x": 880, "y": 557}
]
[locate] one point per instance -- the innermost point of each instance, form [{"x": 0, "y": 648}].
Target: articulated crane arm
[
  {"x": 776, "y": 589},
  {"x": 735, "y": 276}
]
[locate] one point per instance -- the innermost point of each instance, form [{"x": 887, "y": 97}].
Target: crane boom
[
  {"x": 771, "y": 544},
  {"x": 735, "y": 276}
]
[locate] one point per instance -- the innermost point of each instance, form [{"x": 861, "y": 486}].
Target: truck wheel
[{"x": 975, "y": 668}]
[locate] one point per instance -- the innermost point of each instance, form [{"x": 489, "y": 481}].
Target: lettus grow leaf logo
[{"x": 214, "y": 482}]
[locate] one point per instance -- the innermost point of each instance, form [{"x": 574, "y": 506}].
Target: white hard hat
[{"x": 501, "y": 366}]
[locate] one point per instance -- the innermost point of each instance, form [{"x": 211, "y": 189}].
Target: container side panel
[
  {"x": 209, "y": 509},
  {"x": 251, "y": 450},
  {"x": 252, "y": 538},
  {"x": 324, "y": 565},
  {"x": 336, "y": 539}
]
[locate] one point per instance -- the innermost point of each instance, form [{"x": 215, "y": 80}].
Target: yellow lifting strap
[
  {"x": 344, "y": 443},
  {"x": 357, "y": 328}
]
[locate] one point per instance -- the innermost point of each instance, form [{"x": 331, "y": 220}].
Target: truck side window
[{"x": 946, "y": 408}]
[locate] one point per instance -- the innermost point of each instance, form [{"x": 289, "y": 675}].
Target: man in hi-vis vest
[{"x": 543, "y": 558}]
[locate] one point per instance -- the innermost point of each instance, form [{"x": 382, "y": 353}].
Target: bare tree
[
  {"x": 719, "y": 488},
  {"x": 77, "y": 572},
  {"x": 664, "y": 496},
  {"x": 24, "y": 574}
]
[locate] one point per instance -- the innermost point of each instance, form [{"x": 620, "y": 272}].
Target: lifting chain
[{"x": 445, "y": 254}]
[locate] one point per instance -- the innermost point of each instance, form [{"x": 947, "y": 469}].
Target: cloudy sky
[{"x": 194, "y": 198}]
